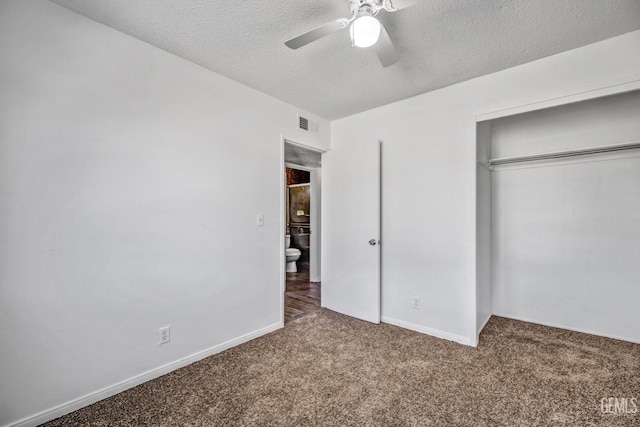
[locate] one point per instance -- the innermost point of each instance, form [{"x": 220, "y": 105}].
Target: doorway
[
  {"x": 302, "y": 231},
  {"x": 351, "y": 256}
]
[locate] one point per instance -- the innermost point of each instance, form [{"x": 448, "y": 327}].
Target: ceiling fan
[{"x": 365, "y": 29}]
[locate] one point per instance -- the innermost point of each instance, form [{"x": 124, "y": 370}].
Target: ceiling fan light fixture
[{"x": 365, "y": 31}]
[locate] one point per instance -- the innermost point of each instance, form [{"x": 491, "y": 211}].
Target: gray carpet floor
[{"x": 326, "y": 369}]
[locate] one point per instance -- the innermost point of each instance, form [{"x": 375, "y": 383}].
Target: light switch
[{"x": 260, "y": 220}]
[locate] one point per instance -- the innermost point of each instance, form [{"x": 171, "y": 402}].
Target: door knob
[{"x": 373, "y": 242}]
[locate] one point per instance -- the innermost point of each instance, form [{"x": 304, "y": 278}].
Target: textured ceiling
[{"x": 440, "y": 42}]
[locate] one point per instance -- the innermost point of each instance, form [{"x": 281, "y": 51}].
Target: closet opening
[{"x": 558, "y": 217}]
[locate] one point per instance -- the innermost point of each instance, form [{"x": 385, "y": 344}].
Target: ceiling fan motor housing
[{"x": 364, "y": 7}]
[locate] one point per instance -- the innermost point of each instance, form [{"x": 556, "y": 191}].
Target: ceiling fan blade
[
  {"x": 384, "y": 49},
  {"x": 317, "y": 33},
  {"x": 395, "y": 5}
]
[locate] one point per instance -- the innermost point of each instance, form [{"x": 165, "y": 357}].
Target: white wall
[
  {"x": 567, "y": 232},
  {"x": 483, "y": 227},
  {"x": 130, "y": 180},
  {"x": 316, "y": 226},
  {"x": 602, "y": 121},
  {"x": 429, "y": 177}
]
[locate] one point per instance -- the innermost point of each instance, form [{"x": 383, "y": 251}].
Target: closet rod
[{"x": 563, "y": 154}]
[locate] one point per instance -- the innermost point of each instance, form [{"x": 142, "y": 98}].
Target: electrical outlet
[
  {"x": 260, "y": 220},
  {"x": 165, "y": 335},
  {"x": 416, "y": 303}
]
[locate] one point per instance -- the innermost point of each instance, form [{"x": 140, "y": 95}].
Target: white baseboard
[
  {"x": 428, "y": 331},
  {"x": 98, "y": 395},
  {"x": 556, "y": 325}
]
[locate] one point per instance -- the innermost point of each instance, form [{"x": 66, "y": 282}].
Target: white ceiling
[{"x": 440, "y": 42}]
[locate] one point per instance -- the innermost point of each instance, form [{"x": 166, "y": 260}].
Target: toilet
[{"x": 292, "y": 255}]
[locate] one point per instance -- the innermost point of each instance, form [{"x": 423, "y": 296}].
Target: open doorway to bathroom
[{"x": 302, "y": 231}]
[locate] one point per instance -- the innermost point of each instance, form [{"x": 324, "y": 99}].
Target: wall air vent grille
[
  {"x": 304, "y": 123},
  {"x": 307, "y": 125}
]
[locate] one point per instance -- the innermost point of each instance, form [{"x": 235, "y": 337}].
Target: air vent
[
  {"x": 304, "y": 123},
  {"x": 307, "y": 125}
]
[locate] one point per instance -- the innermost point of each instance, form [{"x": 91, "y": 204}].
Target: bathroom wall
[
  {"x": 299, "y": 197},
  {"x": 297, "y": 176},
  {"x": 120, "y": 210}
]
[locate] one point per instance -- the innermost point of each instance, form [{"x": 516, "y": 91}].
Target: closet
[{"x": 559, "y": 217}]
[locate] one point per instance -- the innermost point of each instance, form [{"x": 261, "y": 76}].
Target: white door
[{"x": 351, "y": 230}]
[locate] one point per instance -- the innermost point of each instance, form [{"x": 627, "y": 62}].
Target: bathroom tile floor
[{"x": 302, "y": 297}]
